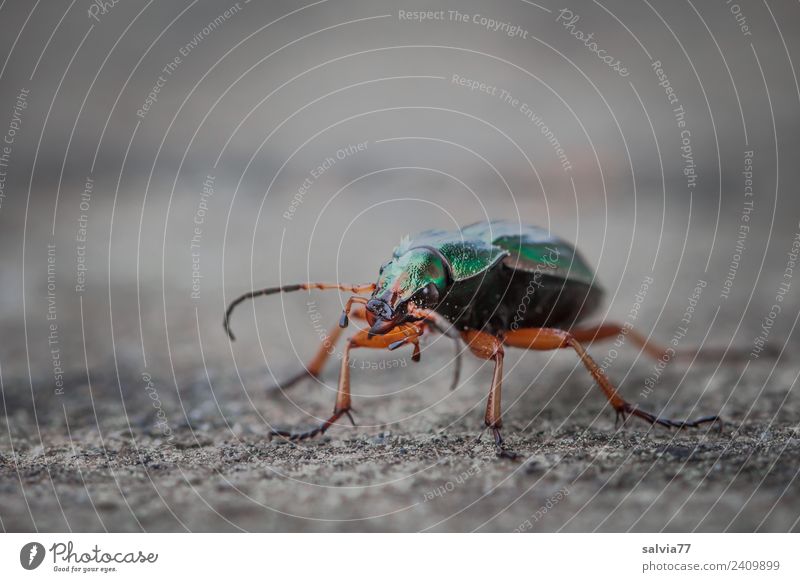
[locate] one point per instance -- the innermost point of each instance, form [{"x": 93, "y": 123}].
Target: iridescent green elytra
[{"x": 492, "y": 276}]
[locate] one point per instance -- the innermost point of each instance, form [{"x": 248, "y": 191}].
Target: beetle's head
[{"x": 420, "y": 275}]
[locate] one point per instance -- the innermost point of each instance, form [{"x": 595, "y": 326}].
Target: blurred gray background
[{"x": 212, "y": 185}]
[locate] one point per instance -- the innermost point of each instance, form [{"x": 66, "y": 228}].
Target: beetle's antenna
[{"x": 358, "y": 289}]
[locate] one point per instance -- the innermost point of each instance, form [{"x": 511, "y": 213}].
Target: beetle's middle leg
[
  {"x": 406, "y": 334},
  {"x": 489, "y": 347},
  {"x": 544, "y": 338}
]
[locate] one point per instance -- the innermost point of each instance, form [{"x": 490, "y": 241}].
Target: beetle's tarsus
[
  {"x": 630, "y": 409},
  {"x": 311, "y": 433},
  {"x": 503, "y": 452},
  {"x": 298, "y": 436}
]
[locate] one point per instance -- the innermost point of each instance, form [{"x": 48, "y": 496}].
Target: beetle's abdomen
[
  {"x": 506, "y": 299},
  {"x": 548, "y": 302}
]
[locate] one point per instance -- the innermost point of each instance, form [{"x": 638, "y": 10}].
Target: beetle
[{"x": 493, "y": 284}]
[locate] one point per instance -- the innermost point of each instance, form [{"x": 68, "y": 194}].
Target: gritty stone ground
[{"x": 425, "y": 471}]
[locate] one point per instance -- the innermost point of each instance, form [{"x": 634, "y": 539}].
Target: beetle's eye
[{"x": 428, "y": 296}]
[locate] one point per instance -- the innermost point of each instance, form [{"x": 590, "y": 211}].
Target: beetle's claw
[
  {"x": 344, "y": 321},
  {"x": 620, "y": 415}
]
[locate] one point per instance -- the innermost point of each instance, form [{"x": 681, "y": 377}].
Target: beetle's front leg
[
  {"x": 342, "y": 406},
  {"x": 326, "y": 348},
  {"x": 411, "y": 335},
  {"x": 489, "y": 347}
]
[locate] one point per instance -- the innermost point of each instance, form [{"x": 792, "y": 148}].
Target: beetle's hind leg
[
  {"x": 656, "y": 351},
  {"x": 552, "y": 339},
  {"x": 409, "y": 334}
]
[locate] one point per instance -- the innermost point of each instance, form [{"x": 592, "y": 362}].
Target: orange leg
[
  {"x": 657, "y": 351},
  {"x": 489, "y": 347},
  {"x": 552, "y": 339},
  {"x": 406, "y": 334},
  {"x": 317, "y": 363},
  {"x": 612, "y": 330}
]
